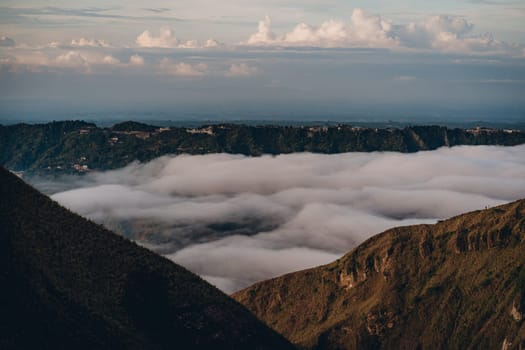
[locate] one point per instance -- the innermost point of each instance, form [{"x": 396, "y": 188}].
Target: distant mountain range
[
  {"x": 458, "y": 284},
  {"x": 67, "y": 283},
  {"x": 76, "y": 147}
]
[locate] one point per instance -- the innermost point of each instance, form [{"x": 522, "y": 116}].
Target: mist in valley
[{"x": 236, "y": 220}]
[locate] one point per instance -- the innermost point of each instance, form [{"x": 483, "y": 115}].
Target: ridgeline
[
  {"x": 68, "y": 283},
  {"x": 71, "y": 147},
  {"x": 458, "y": 284}
]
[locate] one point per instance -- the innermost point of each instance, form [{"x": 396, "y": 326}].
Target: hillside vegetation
[
  {"x": 79, "y": 147},
  {"x": 67, "y": 283},
  {"x": 458, "y": 284}
]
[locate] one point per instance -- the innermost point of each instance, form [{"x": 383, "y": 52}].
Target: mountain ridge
[
  {"x": 69, "y": 283},
  {"x": 457, "y": 284},
  {"x": 79, "y": 147}
]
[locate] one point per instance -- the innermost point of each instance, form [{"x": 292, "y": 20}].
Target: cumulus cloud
[
  {"x": 236, "y": 220},
  {"x": 241, "y": 70},
  {"x": 136, "y": 60},
  {"x": 183, "y": 69},
  {"x": 363, "y": 30},
  {"x": 83, "y": 42},
  {"x": 6, "y": 42},
  {"x": 108, "y": 59},
  {"x": 211, "y": 43},
  {"x": 264, "y": 35},
  {"x": 168, "y": 40},
  {"x": 83, "y": 60},
  {"x": 447, "y": 33},
  {"x": 72, "y": 59}
]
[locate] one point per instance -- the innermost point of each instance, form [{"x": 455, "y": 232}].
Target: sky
[
  {"x": 236, "y": 220},
  {"x": 310, "y": 59}
]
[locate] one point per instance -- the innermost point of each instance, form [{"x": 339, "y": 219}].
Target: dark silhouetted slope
[
  {"x": 67, "y": 283},
  {"x": 459, "y": 284}
]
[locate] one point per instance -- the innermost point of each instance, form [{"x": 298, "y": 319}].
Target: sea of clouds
[{"x": 247, "y": 219}]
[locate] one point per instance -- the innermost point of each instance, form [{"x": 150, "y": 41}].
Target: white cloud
[
  {"x": 371, "y": 30},
  {"x": 264, "y": 35},
  {"x": 54, "y": 44},
  {"x": 168, "y": 40},
  {"x": 37, "y": 61},
  {"x": 7, "y": 42},
  {"x": 72, "y": 59},
  {"x": 190, "y": 44},
  {"x": 363, "y": 30},
  {"x": 241, "y": 70},
  {"x": 108, "y": 59},
  {"x": 136, "y": 60},
  {"x": 446, "y": 33},
  {"x": 84, "y": 60},
  {"x": 183, "y": 69},
  {"x": 331, "y": 33},
  {"x": 237, "y": 220},
  {"x": 211, "y": 43},
  {"x": 449, "y": 33},
  {"x": 82, "y": 42}
]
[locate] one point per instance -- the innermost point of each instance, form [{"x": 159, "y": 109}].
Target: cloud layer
[
  {"x": 449, "y": 34},
  {"x": 442, "y": 33},
  {"x": 236, "y": 220}
]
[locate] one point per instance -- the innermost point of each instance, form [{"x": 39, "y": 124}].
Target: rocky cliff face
[{"x": 457, "y": 284}]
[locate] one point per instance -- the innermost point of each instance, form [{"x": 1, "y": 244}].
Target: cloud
[
  {"x": 82, "y": 42},
  {"x": 84, "y": 60},
  {"x": 136, "y": 60},
  {"x": 364, "y": 30},
  {"x": 264, "y": 35},
  {"x": 54, "y": 44},
  {"x": 212, "y": 43},
  {"x": 183, "y": 69},
  {"x": 7, "y": 42},
  {"x": 72, "y": 59},
  {"x": 444, "y": 32},
  {"x": 168, "y": 40},
  {"x": 237, "y": 220},
  {"x": 371, "y": 30},
  {"x": 108, "y": 59},
  {"x": 241, "y": 70}
]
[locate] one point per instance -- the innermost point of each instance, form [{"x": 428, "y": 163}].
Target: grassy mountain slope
[
  {"x": 458, "y": 284},
  {"x": 69, "y": 283}
]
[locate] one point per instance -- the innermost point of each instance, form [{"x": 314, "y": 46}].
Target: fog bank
[{"x": 236, "y": 220}]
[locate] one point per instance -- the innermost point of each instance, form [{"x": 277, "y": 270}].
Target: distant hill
[
  {"x": 459, "y": 284},
  {"x": 133, "y": 126},
  {"x": 79, "y": 147},
  {"x": 67, "y": 283}
]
